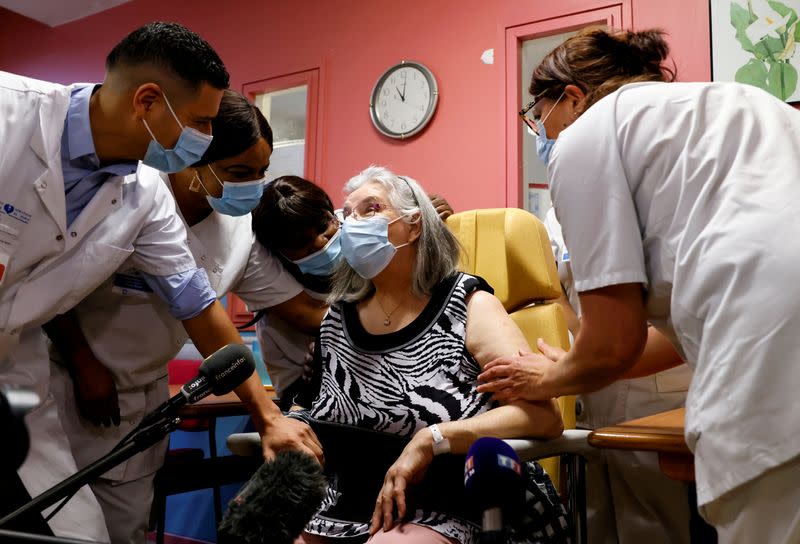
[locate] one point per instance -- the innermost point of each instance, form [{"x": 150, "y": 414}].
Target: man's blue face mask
[{"x": 188, "y": 150}]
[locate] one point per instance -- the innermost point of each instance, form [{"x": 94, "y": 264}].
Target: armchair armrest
[
  {"x": 571, "y": 441},
  {"x": 244, "y": 444}
]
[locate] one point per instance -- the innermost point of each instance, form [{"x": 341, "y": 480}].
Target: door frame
[
  {"x": 311, "y": 79},
  {"x": 616, "y": 15}
]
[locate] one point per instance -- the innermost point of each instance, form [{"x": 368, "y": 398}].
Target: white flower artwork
[{"x": 754, "y": 42}]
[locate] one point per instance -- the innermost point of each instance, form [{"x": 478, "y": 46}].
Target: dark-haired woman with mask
[
  {"x": 118, "y": 341},
  {"x": 677, "y": 202},
  {"x": 296, "y": 220}
]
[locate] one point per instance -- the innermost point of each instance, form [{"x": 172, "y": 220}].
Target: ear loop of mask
[
  {"x": 217, "y": 177},
  {"x": 554, "y": 106},
  {"x": 169, "y": 106}
]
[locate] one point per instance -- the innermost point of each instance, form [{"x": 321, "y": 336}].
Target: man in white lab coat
[{"x": 73, "y": 211}]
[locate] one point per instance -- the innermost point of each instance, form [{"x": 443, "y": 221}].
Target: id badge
[
  {"x": 4, "y": 259},
  {"x": 131, "y": 285},
  {"x": 8, "y": 238}
]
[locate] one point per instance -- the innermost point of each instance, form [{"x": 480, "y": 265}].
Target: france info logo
[{"x": 507, "y": 462}]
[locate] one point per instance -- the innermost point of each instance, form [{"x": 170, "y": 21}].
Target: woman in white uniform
[
  {"x": 628, "y": 497},
  {"x": 130, "y": 333},
  {"x": 670, "y": 196}
]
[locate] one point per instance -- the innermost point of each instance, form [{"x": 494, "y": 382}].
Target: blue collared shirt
[
  {"x": 83, "y": 175},
  {"x": 187, "y": 293}
]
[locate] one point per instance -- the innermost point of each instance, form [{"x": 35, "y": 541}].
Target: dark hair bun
[
  {"x": 600, "y": 61},
  {"x": 649, "y": 46}
]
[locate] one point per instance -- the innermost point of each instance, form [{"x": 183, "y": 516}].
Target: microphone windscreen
[
  {"x": 277, "y": 503},
  {"x": 228, "y": 367},
  {"x": 493, "y": 475}
]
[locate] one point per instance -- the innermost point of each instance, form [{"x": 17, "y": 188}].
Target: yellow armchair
[{"x": 510, "y": 249}]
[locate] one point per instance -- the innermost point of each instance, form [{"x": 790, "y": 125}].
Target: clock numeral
[
  {"x": 383, "y": 102},
  {"x": 402, "y": 126}
]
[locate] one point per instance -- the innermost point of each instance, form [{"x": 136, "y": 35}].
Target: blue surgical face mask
[
  {"x": 322, "y": 262},
  {"x": 238, "y": 197},
  {"x": 188, "y": 150},
  {"x": 366, "y": 246},
  {"x": 544, "y": 145}
]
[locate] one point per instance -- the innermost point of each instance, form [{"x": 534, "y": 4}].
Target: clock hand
[{"x": 402, "y": 95}]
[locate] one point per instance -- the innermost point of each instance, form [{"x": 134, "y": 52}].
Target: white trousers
[
  {"x": 126, "y": 507},
  {"x": 629, "y": 500},
  {"x": 125, "y": 492},
  {"x": 50, "y": 458},
  {"x": 766, "y": 509}
]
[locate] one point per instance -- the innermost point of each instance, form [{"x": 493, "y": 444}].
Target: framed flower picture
[{"x": 755, "y": 42}]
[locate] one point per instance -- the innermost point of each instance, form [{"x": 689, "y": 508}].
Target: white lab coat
[
  {"x": 132, "y": 332},
  {"x": 629, "y": 499},
  {"x": 50, "y": 267},
  {"x": 691, "y": 190}
]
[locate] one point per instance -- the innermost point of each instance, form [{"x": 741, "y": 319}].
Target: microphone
[
  {"x": 493, "y": 482},
  {"x": 220, "y": 373},
  {"x": 276, "y": 503}
]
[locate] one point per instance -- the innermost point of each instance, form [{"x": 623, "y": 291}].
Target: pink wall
[{"x": 461, "y": 154}]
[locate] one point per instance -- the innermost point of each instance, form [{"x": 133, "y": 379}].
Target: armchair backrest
[{"x": 510, "y": 249}]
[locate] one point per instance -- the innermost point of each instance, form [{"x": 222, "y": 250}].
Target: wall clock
[{"x": 403, "y": 100}]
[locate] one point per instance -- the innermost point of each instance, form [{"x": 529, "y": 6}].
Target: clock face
[{"x": 403, "y": 100}]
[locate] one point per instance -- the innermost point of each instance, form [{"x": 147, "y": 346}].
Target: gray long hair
[{"x": 437, "y": 247}]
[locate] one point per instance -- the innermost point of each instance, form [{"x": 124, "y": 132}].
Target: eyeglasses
[
  {"x": 530, "y": 123},
  {"x": 365, "y": 210},
  {"x": 369, "y": 208},
  {"x": 533, "y": 123}
]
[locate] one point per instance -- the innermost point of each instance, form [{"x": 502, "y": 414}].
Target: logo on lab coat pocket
[{"x": 12, "y": 211}]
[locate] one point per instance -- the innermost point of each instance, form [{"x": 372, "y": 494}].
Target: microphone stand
[
  {"x": 493, "y": 531},
  {"x": 127, "y": 448}
]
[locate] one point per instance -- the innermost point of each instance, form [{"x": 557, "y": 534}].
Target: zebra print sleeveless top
[
  {"x": 399, "y": 383},
  {"x": 404, "y": 381}
]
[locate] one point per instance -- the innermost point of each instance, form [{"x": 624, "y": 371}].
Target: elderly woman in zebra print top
[{"x": 400, "y": 350}]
